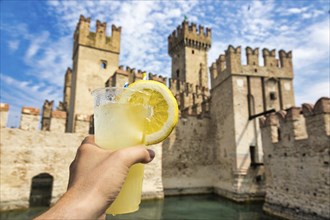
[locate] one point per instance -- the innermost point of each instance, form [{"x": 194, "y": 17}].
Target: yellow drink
[{"x": 117, "y": 126}]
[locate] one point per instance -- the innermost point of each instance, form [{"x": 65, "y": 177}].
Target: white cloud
[
  {"x": 296, "y": 10},
  {"x": 36, "y": 43},
  {"x": 145, "y": 27},
  {"x": 48, "y": 59},
  {"x": 24, "y": 93},
  {"x": 13, "y": 45},
  {"x": 256, "y": 19},
  {"x": 313, "y": 48},
  {"x": 311, "y": 92},
  {"x": 216, "y": 49},
  {"x": 29, "y": 91},
  {"x": 147, "y": 24}
]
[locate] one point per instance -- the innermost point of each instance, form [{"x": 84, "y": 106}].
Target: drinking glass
[{"x": 118, "y": 123}]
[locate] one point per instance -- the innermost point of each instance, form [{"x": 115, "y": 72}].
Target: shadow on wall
[{"x": 41, "y": 190}]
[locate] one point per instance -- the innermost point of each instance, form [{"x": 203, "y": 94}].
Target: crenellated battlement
[
  {"x": 296, "y": 154},
  {"x": 47, "y": 109},
  {"x": 30, "y": 118},
  {"x": 4, "y": 108},
  {"x": 192, "y": 99},
  {"x": 178, "y": 86},
  {"x": 50, "y": 120},
  {"x": 129, "y": 75},
  {"x": 98, "y": 39},
  {"x": 67, "y": 90},
  {"x": 231, "y": 63},
  {"x": 298, "y": 123},
  {"x": 68, "y": 77},
  {"x": 26, "y": 110},
  {"x": 187, "y": 35},
  {"x": 252, "y": 56},
  {"x": 158, "y": 78}
]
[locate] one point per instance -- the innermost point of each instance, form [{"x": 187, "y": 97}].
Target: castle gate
[{"x": 41, "y": 190}]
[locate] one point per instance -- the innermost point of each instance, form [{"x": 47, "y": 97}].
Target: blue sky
[{"x": 36, "y": 40}]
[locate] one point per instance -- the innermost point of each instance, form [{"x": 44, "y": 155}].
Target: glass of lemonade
[{"x": 118, "y": 124}]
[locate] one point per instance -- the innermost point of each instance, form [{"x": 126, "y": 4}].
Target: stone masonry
[
  {"x": 217, "y": 145},
  {"x": 30, "y": 119},
  {"x": 95, "y": 56},
  {"x": 188, "y": 48},
  {"x": 4, "y": 108},
  {"x": 188, "y": 158},
  {"x": 47, "y": 109},
  {"x": 36, "y": 152},
  {"x": 58, "y": 121},
  {"x": 296, "y": 152},
  {"x": 239, "y": 92}
]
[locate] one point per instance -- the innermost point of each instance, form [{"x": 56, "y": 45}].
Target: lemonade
[
  {"x": 145, "y": 113},
  {"x": 117, "y": 126}
]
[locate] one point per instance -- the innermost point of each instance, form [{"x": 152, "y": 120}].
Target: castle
[{"x": 228, "y": 141}]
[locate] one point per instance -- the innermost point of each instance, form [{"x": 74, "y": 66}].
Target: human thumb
[{"x": 133, "y": 155}]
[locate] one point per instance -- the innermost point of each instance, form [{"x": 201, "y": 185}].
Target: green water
[{"x": 181, "y": 207}]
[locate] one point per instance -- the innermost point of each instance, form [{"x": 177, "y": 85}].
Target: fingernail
[{"x": 151, "y": 153}]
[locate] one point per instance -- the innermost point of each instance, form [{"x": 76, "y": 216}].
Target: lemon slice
[{"x": 163, "y": 115}]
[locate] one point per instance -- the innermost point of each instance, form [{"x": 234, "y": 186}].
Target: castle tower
[
  {"x": 67, "y": 89},
  {"x": 241, "y": 93},
  {"x": 47, "y": 109},
  {"x": 188, "y": 50},
  {"x": 95, "y": 57}
]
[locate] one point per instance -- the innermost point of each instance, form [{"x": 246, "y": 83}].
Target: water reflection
[
  {"x": 196, "y": 207},
  {"x": 149, "y": 209},
  {"x": 182, "y": 207}
]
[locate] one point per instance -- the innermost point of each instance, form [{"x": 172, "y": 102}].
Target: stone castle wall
[
  {"x": 25, "y": 154},
  {"x": 237, "y": 177},
  {"x": 216, "y": 146},
  {"x": 4, "y": 108},
  {"x": 296, "y": 156},
  {"x": 188, "y": 48},
  {"x": 97, "y": 39},
  {"x": 94, "y": 57},
  {"x": 30, "y": 119},
  {"x": 275, "y": 76},
  {"x": 58, "y": 121},
  {"x": 239, "y": 93},
  {"x": 188, "y": 157}
]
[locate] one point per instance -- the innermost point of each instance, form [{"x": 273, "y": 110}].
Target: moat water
[{"x": 178, "y": 207}]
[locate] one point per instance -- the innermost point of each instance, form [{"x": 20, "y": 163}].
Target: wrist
[
  {"x": 89, "y": 204},
  {"x": 76, "y": 205}
]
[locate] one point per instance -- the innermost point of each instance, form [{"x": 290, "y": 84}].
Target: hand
[{"x": 96, "y": 177}]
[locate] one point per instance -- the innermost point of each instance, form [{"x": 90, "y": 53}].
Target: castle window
[
  {"x": 279, "y": 134},
  {"x": 258, "y": 178},
  {"x": 41, "y": 190},
  {"x": 177, "y": 73},
  {"x": 103, "y": 64},
  {"x": 91, "y": 125},
  {"x": 193, "y": 52},
  {"x": 273, "y": 95},
  {"x": 253, "y": 155}
]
